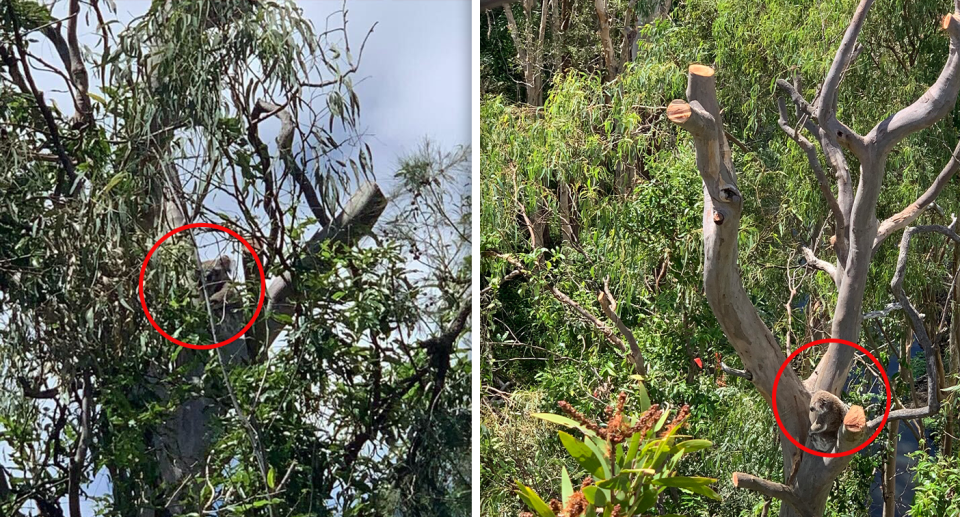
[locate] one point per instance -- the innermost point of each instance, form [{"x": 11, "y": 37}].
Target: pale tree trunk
[
  {"x": 530, "y": 47},
  {"x": 808, "y": 478}
]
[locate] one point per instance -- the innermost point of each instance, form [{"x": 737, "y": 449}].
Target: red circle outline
[
  {"x": 886, "y": 383},
  {"x": 256, "y": 258}
]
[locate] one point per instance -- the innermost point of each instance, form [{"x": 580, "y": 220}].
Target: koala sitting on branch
[{"x": 826, "y": 416}]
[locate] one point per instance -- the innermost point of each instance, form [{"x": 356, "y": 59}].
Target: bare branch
[
  {"x": 731, "y": 305},
  {"x": 285, "y": 148},
  {"x": 826, "y": 108},
  {"x": 80, "y": 453},
  {"x": 817, "y": 263},
  {"x": 65, "y": 162},
  {"x": 349, "y": 226},
  {"x": 913, "y": 211},
  {"x": 932, "y": 106},
  {"x": 930, "y": 348},
  {"x": 770, "y": 489},
  {"x": 811, "y": 152},
  {"x": 609, "y": 306},
  {"x": 743, "y": 374}
]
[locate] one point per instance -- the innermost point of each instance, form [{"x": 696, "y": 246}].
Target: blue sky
[{"x": 417, "y": 76}]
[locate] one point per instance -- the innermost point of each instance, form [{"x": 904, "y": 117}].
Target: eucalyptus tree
[
  {"x": 858, "y": 234},
  {"x": 349, "y": 391}
]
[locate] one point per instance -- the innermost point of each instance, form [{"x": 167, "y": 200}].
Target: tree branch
[
  {"x": 58, "y": 148},
  {"x": 770, "y": 489},
  {"x": 831, "y": 373},
  {"x": 930, "y": 349},
  {"x": 742, "y": 325},
  {"x": 826, "y": 108},
  {"x": 285, "y": 149},
  {"x": 814, "y": 160},
  {"x": 913, "y": 211},
  {"x": 822, "y": 265},
  {"x": 609, "y": 306},
  {"x": 932, "y": 106},
  {"x": 352, "y": 224},
  {"x": 743, "y": 374},
  {"x": 80, "y": 454}
]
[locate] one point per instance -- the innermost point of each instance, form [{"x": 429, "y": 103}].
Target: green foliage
[
  {"x": 636, "y": 198},
  {"x": 361, "y": 406},
  {"x": 937, "y": 482},
  {"x": 629, "y": 462}
]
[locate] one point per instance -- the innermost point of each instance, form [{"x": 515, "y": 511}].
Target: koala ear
[{"x": 226, "y": 263}]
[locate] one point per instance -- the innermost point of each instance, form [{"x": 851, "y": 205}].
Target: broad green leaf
[
  {"x": 530, "y": 497},
  {"x": 694, "y": 445},
  {"x": 583, "y": 455},
  {"x": 595, "y": 495},
  {"x": 644, "y": 397},
  {"x": 683, "y": 481},
  {"x": 599, "y": 448},
  {"x": 631, "y": 451}
]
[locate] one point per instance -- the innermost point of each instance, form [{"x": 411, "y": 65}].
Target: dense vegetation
[
  {"x": 349, "y": 395},
  {"x": 595, "y": 192}
]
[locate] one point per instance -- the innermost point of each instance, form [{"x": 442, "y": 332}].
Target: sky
[{"x": 416, "y": 72}]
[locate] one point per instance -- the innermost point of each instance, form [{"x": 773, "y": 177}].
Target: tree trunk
[
  {"x": 890, "y": 471},
  {"x": 809, "y": 477},
  {"x": 183, "y": 441}
]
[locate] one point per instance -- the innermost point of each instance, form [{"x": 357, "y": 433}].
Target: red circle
[
  {"x": 256, "y": 258},
  {"x": 886, "y": 383}
]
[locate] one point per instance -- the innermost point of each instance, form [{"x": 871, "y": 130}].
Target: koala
[
  {"x": 215, "y": 274},
  {"x": 225, "y": 302},
  {"x": 826, "y": 417}
]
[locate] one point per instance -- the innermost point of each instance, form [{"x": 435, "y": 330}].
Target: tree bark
[
  {"x": 890, "y": 471},
  {"x": 806, "y": 492}
]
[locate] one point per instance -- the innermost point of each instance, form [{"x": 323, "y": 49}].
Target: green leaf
[
  {"x": 117, "y": 178},
  {"x": 564, "y": 421},
  {"x": 566, "y": 487},
  {"x": 271, "y": 478},
  {"x": 530, "y": 497},
  {"x": 594, "y": 495},
  {"x": 694, "y": 445},
  {"x": 645, "y": 501},
  {"x": 97, "y": 98},
  {"x": 683, "y": 481},
  {"x": 583, "y": 455},
  {"x": 696, "y": 485},
  {"x": 631, "y": 451},
  {"x": 644, "y": 397}
]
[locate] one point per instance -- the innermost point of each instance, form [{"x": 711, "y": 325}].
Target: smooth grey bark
[{"x": 808, "y": 478}]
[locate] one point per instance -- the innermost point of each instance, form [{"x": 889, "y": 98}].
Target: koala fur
[
  {"x": 216, "y": 274},
  {"x": 826, "y": 417},
  {"x": 225, "y": 302}
]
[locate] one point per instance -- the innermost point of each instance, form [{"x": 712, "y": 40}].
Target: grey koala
[{"x": 826, "y": 417}]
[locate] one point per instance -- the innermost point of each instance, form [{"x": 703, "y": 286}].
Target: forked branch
[
  {"x": 750, "y": 337},
  {"x": 913, "y": 211},
  {"x": 769, "y": 489},
  {"x": 930, "y": 348}
]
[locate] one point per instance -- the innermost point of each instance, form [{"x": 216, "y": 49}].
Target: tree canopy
[
  {"x": 595, "y": 192},
  {"x": 348, "y": 396}
]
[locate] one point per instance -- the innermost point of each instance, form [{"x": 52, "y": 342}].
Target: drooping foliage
[
  {"x": 362, "y": 404},
  {"x": 637, "y": 216}
]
